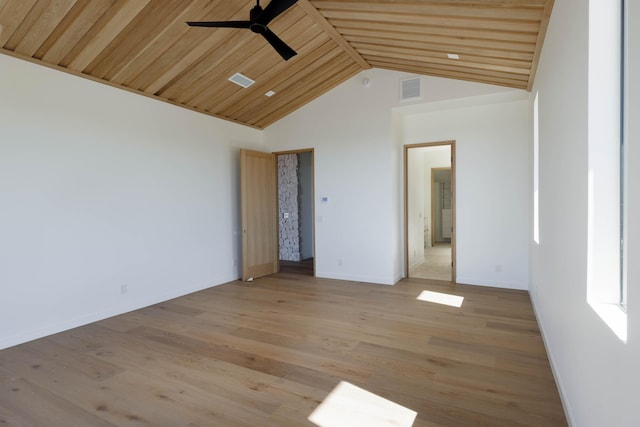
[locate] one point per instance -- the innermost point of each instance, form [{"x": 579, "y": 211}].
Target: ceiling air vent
[
  {"x": 241, "y": 80},
  {"x": 410, "y": 89}
]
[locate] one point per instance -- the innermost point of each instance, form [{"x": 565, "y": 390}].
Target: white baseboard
[
  {"x": 365, "y": 279},
  {"x": 492, "y": 283},
  {"x": 563, "y": 397}
]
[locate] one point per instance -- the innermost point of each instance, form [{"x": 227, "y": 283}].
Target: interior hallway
[{"x": 436, "y": 264}]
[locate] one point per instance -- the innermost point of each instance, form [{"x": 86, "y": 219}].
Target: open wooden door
[{"x": 259, "y": 204}]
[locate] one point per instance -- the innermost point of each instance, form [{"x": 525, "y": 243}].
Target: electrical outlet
[
  {"x": 123, "y": 289},
  {"x": 498, "y": 268},
  {"x": 340, "y": 262}
]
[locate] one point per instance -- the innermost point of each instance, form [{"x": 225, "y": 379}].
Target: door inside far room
[
  {"x": 295, "y": 210},
  {"x": 430, "y": 211}
]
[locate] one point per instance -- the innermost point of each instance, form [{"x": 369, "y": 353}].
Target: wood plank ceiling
[{"x": 145, "y": 46}]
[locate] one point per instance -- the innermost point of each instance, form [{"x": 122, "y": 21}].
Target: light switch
[{"x": 285, "y": 215}]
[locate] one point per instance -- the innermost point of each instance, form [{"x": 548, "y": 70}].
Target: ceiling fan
[{"x": 258, "y": 20}]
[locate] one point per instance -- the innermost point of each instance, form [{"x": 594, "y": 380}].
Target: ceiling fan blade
[
  {"x": 222, "y": 24},
  {"x": 273, "y": 9},
  {"x": 281, "y": 47}
]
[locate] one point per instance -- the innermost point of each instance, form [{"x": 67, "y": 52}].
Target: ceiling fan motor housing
[{"x": 253, "y": 17}]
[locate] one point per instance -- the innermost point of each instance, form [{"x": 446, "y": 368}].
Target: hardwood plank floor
[{"x": 267, "y": 353}]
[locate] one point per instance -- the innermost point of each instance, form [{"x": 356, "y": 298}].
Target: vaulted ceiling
[{"x": 145, "y": 46}]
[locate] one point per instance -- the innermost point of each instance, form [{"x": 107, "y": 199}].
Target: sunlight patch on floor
[
  {"x": 348, "y": 405},
  {"x": 440, "y": 298}
]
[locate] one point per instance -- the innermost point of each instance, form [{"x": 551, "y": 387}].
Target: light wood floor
[{"x": 267, "y": 353}]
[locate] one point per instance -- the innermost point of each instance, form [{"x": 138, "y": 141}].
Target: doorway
[
  {"x": 295, "y": 212},
  {"x": 430, "y": 211}
]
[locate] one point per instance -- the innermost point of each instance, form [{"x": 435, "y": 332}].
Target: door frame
[
  {"x": 313, "y": 196},
  {"x": 407, "y": 147}
]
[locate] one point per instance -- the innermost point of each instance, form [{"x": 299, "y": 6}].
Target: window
[
  {"x": 623, "y": 152},
  {"x": 606, "y": 290},
  {"x": 536, "y": 173}
]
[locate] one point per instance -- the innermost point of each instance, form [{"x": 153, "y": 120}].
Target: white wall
[
  {"x": 100, "y": 188},
  {"x": 358, "y": 137},
  {"x": 597, "y": 373},
  {"x": 492, "y": 135},
  {"x": 350, "y": 130}
]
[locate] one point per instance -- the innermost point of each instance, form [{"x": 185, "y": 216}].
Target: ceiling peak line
[{"x": 317, "y": 17}]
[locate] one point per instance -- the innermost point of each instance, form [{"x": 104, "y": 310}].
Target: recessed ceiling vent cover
[
  {"x": 241, "y": 80},
  {"x": 410, "y": 89}
]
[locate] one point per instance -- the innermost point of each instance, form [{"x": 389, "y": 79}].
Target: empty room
[{"x": 159, "y": 268}]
